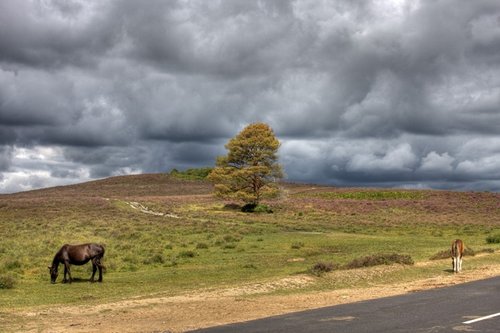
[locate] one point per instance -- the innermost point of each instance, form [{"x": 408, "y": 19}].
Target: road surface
[{"x": 468, "y": 307}]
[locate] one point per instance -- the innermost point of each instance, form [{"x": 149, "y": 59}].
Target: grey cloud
[
  {"x": 5, "y": 158},
  {"x": 55, "y": 34},
  {"x": 382, "y": 93}
]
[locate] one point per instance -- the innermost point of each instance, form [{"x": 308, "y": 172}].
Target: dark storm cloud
[
  {"x": 396, "y": 93},
  {"x": 54, "y": 33}
]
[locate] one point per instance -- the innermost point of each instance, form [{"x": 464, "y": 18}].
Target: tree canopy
[{"x": 250, "y": 169}]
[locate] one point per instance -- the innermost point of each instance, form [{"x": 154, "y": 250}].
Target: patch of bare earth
[{"x": 206, "y": 308}]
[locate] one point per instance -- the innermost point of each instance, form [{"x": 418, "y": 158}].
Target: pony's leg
[
  {"x": 65, "y": 273},
  {"x": 94, "y": 269},
  {"x": 455, "y": 265},
  {"x": 460, "y": 264},
  {"x": 67, "y": 269},
  {"x": 99, "y": 265}
]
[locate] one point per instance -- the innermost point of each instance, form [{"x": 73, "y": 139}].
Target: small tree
[{"x": 250, "y": 170}]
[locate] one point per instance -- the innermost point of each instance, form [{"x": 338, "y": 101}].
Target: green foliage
[
  {"x": 256, "y": 208},
  {"x": 369, "y": 195},
  {"x": 250, "y": 169},
  {"x": 493, "y": 239},
  {"x": 191, "y": 174}
]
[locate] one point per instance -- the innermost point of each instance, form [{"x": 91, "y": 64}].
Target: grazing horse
[
  {"x": 77, "y": 255},
  {"x": 457, "y": 252}
]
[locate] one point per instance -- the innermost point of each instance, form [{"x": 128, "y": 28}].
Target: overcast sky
[{"x": 360, "y": 93}]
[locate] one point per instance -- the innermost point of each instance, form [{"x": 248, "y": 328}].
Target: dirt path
[{"x": 215, "y": 307}]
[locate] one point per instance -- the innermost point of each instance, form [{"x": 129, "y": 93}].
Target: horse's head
[{"x": 53, "y": 274}]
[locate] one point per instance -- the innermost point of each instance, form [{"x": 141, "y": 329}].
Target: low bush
[
  {"x": 323, "y": 267},
  {"x": 191, "y": 174},
  {"x": 297, "y": 245},
  {"x": 7, "y": 282},
  {"x": 256, "y": 208},
  {"x": 187, "y": 254},
  {"x": 493, "y": 239},
  {"x": 380, "y": 259}
]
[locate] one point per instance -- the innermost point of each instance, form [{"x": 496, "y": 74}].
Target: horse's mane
[{"x": 55, "y": 261}]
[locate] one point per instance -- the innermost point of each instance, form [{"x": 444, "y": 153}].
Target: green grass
[
  {"x": 208, "y": 246},
  {"x": 370, "y": 195}
]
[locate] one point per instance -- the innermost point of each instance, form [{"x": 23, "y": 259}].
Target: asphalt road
[{"x": 438, "y": 310}]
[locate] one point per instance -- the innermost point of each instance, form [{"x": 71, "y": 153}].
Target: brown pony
[
  {"x": 77, "y": 255},
  {"x": 457, "y": 252}
]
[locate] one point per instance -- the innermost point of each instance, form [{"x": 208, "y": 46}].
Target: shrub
[
  {"x": 297, "y": 245},
  {"x": 248, "y": 208},
  {"x": 263, "y": 209},
  {"x": 7, "y": 282},
  {"x": 493, "y": 239},
  {"x": 191, "y": 174},
  {"x": 256, "y": 208},
  {"x": 380, "y": 259},
  {"x": 187, "y": 254},
  {"x": 323, "y": 267}
]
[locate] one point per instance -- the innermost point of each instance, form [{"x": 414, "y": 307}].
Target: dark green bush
[
  {"x": 191, "y": 174},
  {"x": 493, "y": 239}
]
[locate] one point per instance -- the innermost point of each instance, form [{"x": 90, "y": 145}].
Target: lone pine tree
[{"x": 250, "y": 169}]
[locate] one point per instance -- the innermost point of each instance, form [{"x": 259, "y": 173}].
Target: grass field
[{"x": 186, "y": 239}]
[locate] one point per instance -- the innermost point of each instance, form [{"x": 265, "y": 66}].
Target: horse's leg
[
  {"x": 67, "y": 269},
  {"x": 460, "y": 264},
  {"x": 94, "y": 269},
  {"x": 99, "y": 265},
  {"x": 65, "y": 273}
]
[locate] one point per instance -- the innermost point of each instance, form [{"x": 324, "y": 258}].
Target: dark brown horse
[{"x": 77, "y": 255}]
